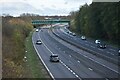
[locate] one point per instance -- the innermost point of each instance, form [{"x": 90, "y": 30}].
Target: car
[
  {"x": 37, "y": 30},
  {"x": 119, "y": 52},
  {"x": 67, "y": 31},
  {"x": 97, "y": 41},
  {"x": 70, "y": 33},
  {"x": 38, "y": 42},
  {"x": 73, "y": 34},
  {"x": 54, "y": 58},
  {"x": 101, "y": 45},
  {"x": 83, "y": 37}
]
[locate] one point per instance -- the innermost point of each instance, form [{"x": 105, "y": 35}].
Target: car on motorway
[
  {"x": 67, "y": 31},
  {"x": 101, "y": 45},
  {"x": 70, "y": 33},
  {"x": 73, "y": 34},
  {"x": 37, "y": 30},
  {"x": 119, "y": 52},
  {"x": 54, "y": 58},
  {"x": 97, "y": 41},
  {"x": 83, "y": 37},
  {"x": 38, "y": 42}
]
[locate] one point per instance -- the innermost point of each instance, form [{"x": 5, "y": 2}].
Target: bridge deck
[{"x": 34, "y": 22}]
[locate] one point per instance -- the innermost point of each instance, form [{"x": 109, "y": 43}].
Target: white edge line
[
  {"x": 99, "y": 62},
  {"x": 43, "y": 61},
  {"x": 60, "y": 60}
]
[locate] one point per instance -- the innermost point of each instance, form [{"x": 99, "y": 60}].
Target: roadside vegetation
[
  {"x": 98, "y": 21},
  {"x": 16, "y": 62},
  {"x": 33, "y": 62}
]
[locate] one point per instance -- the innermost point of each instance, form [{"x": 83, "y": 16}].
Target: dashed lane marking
[
  {"x": 90, "y": 69},
  {"x": 110, "y": 53},
  {"x": 60, "y": 60}
]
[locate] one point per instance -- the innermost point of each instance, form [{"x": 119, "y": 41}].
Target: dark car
[
  {"x": 38, "y": 42},
  {"x": 54, "y": 58},
  {"x": 101, "y": 45}
]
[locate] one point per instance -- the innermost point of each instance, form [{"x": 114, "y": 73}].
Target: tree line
[{"x": 98, "y": 20}]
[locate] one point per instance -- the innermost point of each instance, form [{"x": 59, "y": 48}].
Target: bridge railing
[{"x": 34, "y": 22}]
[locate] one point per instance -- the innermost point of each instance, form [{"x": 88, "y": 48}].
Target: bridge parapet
[{"x": 37, "y": 22}]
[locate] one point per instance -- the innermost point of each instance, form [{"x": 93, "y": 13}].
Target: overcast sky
[{"x": 41, "y": 7}]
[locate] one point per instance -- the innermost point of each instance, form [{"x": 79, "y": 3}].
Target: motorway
[
  {"x": 110, "y": 53},
  {"x": 75, "y": 63}
]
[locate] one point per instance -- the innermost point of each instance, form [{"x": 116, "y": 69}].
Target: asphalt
[
  {"x": 110, "y": 53},
  {"x": 73, "y": 63},
  {"x": 57, "y": 69}
]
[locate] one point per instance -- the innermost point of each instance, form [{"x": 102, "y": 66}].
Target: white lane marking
[
  {"x": 92, "y": 46},
  {"x": 112, "y": 49},
  {"x": 103, "y": 65},
  {"x": 99, "y": 62},
  {"x": 85, "y": 56},
  {"x": 78, "y": 61},
  {"x": 70, "y": 55},
  {"x": 70, "y": 70},
  {"x": 90, "y": 69},
  {"x": 77, "y": 76},
  {"x": 42, "y": 60},
  {"x": 73, "y": 73},
  {"x": 66, "y": 33},
  {"x": 106, "y": 79},
  {"x": 60, "y": 60},
  {"x": 91, "y": 43},
  {"x": 110, "y": 53},
  {"x": 45, "y": 45},
  {"x": 92, "y": 50},
  {"x": 100, "y": 49}
]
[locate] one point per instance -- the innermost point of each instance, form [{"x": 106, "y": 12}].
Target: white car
[
  {"x": 38, "y": 42},
  {"x": 83, "y": 37},
  {"x": 97, "y": 41},
  {"x": 37, "y": 30},
  {"x": 73, "y": 34},
  {"x": 119, "y": 52},
  {"x": 70, "y": 32}
]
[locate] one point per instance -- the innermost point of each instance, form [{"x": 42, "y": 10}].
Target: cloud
[
  {"x": 16, "y": 8},
  {"x": 42, "y": 7},
  {"x": 52, "y": 11}
]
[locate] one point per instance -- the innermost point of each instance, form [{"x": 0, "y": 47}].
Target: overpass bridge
[{"x": 36, "y": 23}]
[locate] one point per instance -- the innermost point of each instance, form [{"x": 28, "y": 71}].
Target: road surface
[{"x": 74, "y": 63}]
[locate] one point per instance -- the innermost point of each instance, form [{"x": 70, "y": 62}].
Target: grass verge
[{"x": 34, "y": 66}]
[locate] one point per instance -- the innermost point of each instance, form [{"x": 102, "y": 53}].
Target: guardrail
[{"x": 89, "y": 50}]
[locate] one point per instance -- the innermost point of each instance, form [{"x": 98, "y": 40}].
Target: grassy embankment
[
  {"x": 14, "y": 45},
  {"x": 33, "y": 60}
]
